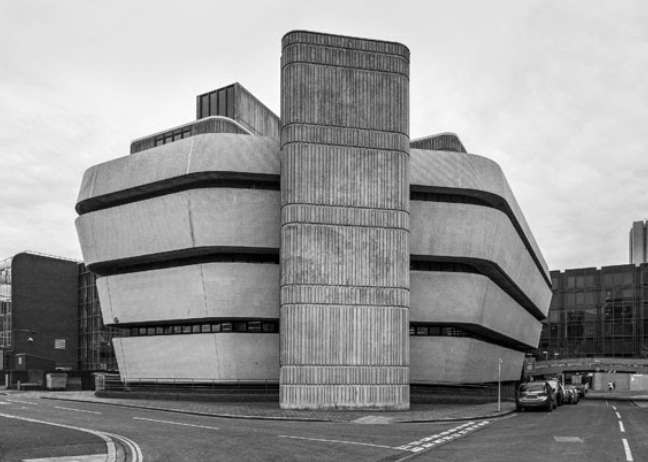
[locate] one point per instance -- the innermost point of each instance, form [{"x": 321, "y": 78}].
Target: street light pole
[{"x": 499, "y": 385}]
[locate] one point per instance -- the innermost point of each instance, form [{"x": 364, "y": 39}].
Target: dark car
[{"x": 536, "y": 395}]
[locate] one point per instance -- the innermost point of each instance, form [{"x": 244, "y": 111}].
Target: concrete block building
[{"x": 321, "y": 249}]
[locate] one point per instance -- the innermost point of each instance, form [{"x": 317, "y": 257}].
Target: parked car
[
  {"x": 559, "y": 390},
  {"x": 536, "y": 395},
  {"x": 572, "y": 396}
]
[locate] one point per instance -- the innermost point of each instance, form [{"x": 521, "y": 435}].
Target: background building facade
[
  {"x": 39, "y": 315},
  {"x": 323, "y": 250},
  {"x": 638, "y": 243},
  {"x": 597, "y": 312}
]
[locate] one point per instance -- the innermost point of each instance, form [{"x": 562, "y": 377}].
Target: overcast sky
[{"x": 556, "y": 92}]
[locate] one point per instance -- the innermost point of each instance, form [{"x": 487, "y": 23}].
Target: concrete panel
[
  {"x": 457, "y": 360},
  {"x": 344, "y": 197},
  {"x": 189, "y": 292},
  {"x": 213, "y": 152},
  {"x": 223, "y": 357},
  {"x": 444, "y": 297},
  {"x": 468, "y": 171},
  {"x": 194, "y": 218},
  {"x": 473, "y": 231}
]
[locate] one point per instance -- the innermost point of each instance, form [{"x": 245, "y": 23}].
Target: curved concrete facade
[
  {"x": 461, "y": 171},
  {"x": 476, "y": 232},
  {"x": 212, "y": 152},
  {"x": 453, "y": 360},
  {"x": 210, "y": 290},
  {"x": 458, "y": 298},
  {"x": 378, "y": 264},
  {"x": 221, "y": 358},
  {"x": 183, "y": 220}
]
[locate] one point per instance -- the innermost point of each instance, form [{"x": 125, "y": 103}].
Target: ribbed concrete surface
[{"x": 344, "y": 235}]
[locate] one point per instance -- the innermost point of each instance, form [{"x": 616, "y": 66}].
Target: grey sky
[{"x": 554, "y": 91}]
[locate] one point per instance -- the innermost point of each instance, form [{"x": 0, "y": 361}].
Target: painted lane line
[
  {"x": 358, "y": 443},
  {"x": 618, "y": 415},
  {"x": 22, "y": 402},
  {"x": 111, "y": 455},
  {"x": 614, "y": 407},
  {"x": 76, "y": 410},
  {"x": 621, "y": 427},
  {"x": 171, "y": 422},
  {"x": 628, "y": 452},
  {"x": 87, "y": 458}
]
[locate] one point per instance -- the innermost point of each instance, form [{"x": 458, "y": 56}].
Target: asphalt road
[{"x": 589, "y": 431}]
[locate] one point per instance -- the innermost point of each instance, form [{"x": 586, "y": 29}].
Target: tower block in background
[{"x": 344, "y": 223}]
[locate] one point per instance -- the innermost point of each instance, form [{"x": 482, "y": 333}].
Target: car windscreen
[{"x": 533, "y": 387}]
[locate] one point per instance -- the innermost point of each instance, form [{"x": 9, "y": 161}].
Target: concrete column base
[{"x": 385, "y": 397}]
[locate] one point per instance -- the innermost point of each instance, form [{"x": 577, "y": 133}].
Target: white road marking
[
  {"x": 618, "y": 415},
  {"x": 628, "y": 452},
  {"x": 22, "y": 402},
  {"x": 133, "y": 447},
  {"x": 614, "y": 407},
  {"x": 621, "y": 428},
  {"x": 110, "y": 445},
  {"x": 359, "y": 443},
  {"x": 443, "y": 437},
  {"x": 88, "y": 458},
  {"x": 176, "y": 423},
  {"x": 77, "y": 410},
  {"x": 568, "y": 439}
]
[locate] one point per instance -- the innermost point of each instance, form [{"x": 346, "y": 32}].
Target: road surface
[{"x": 589, "y": 431}]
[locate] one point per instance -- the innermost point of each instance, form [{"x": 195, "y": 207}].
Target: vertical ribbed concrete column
[{"x": 344, "y": 222}]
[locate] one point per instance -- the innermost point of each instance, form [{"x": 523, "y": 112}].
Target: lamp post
[{"x": 499, "y": 385}]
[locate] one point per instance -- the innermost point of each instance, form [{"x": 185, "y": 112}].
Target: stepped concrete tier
[
  {"x": 321, "y": 250},
  {"x": 344, "y": 222}
]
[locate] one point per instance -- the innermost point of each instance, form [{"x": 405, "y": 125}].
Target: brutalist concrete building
[{"x": 322, "y": 249}]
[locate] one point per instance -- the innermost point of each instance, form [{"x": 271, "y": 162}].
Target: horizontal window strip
[
  {"x": 481, "y": 198},
  {"x": 476, "y": 266},
  {"x": 185, "y": 257},
  {"x": 198, "y": 180},
  {"x": 474, "y": 331},
  {"x": 199, "y": 326}
]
